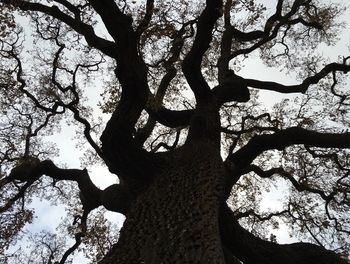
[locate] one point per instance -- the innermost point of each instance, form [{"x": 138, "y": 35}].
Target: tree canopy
[{"x": 196, "y": 141}]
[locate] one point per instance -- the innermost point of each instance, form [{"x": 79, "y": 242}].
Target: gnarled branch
[
  {"x": 285, "y": 138},
  {"x": 252, "y": 250}
]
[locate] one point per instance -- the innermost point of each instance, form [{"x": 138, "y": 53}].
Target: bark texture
[{"x": 176, "y": 219}]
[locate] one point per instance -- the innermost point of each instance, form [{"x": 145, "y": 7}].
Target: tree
[{"x": 192, "y": 169}]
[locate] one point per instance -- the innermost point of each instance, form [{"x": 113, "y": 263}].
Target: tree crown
[{"x": 170, "y": 74}]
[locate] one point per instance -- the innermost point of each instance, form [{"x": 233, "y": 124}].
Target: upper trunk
[{"x": 176, "y": 219}]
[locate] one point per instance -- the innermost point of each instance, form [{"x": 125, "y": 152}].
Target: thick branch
[
  {"x": 117, "y": 23},
  {"x": 231, "y": 88},
  {"x": 256, "y": 34},
  {"x": 115, "y": 197},
  {"x": 34, "y": 169},
  {"x": 252, "y": 250},
  {"x": 285, "y": 138},
  {"x": 146, "y": 18},
  {"x": 191, "y": 66},
  {"x": 280, "y": 21},
  {"x": 105, "y": 46},
  {"x": 226, "y": 43},
  {"x": 177, "y": 44},
  {"x": 172, "y": 118},
  {"x": 231, "y": 32},
  {"x": 299, "y": 88},
  {"x": 90, "y": 195},
  {"x": 118, "y": 146},
  {"x": 131, "y": 70}
]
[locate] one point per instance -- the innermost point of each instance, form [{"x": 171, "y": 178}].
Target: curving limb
[
  {"x": 105, "y": 46},
  {"x": 191, "y": 65},
  {"x": 155, "y": 106},
  {"x": 166, "y": 146},
  {"x": 273, "y": 26},
  {"x": 230, "y": 33},
  {"x": 299, "y": 88},
  {"x": 115, "y": 197},
  {"x": 78, "y": 238},
  {"x": 146, "y": 18},
  {"x": 172, "y": 118},
  {"x": 235, "y": 88},
  {"x": 118, "y": 145},
  {"x": 30, "y": 171},
  {"x": 285, "y": 138},
  {"x": 251, "y": 249},
  {"x": 298, "y": 186}
]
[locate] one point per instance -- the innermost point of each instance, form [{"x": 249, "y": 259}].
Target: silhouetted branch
[
  {"x": 299, "y": 88},
  {"x": 300, "y": 187},
  {"x": 78, "y": 238},
  {"x": 285, "y": 138},
  {"x": 252, "y": 250},
  {"x": 105, "y": 46},
  {"x": 191, "y": 65}
]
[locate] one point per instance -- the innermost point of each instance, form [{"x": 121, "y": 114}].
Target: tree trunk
[{"x": 175, "y": 220}]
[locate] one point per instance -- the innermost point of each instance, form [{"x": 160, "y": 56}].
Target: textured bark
[{"x": 176, "y": 219}]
